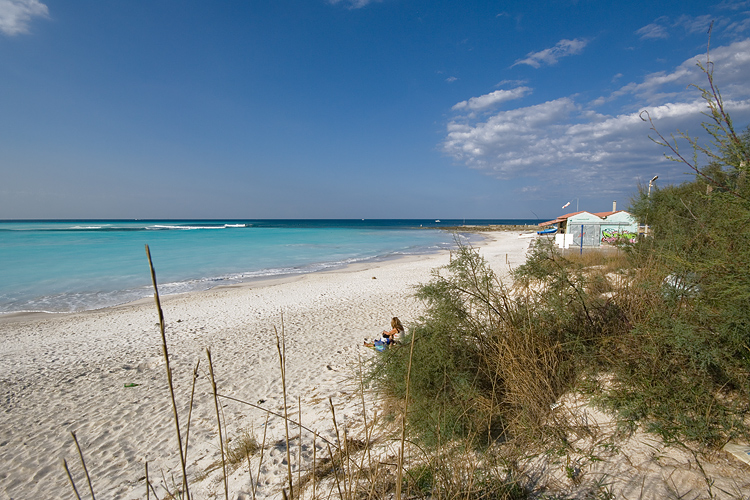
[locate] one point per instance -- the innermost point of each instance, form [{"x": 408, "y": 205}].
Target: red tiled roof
[
  {"x": 571, "y": 214},
  {"x": 565, "y": 217},
  {"x": 561, "y": 218}
]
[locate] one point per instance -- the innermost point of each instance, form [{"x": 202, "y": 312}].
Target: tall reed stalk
[
  {"x": 148, "y": 483},
  {"x": 218, "y": 423},
  {"x": 70, "y": 478},
  {"x": 169, "y": 375},
  {"x": 399, "y": 473},
  {"x": 299, "y": 443},
  {"x": 281, "y": 348},
  {"x": 83, "y": 464},
  {"x": 260, "y": 462},
  {"x": 190, "y": 411}
]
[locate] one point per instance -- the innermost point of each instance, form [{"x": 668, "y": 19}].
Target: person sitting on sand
[
  {"x": 396, "y": 333},
  {"x": 387, "y": 338}
]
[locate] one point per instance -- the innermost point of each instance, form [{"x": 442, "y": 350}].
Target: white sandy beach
[{"x": 67, "y": 373}]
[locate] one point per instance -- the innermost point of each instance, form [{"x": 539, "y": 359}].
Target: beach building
[{"x": 591, "y": 229}]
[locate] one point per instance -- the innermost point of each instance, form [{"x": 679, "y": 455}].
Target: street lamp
[{"x": 650, "y": 183}]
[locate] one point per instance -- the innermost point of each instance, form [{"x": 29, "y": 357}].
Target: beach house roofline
[{"x": 564, "y": 218}]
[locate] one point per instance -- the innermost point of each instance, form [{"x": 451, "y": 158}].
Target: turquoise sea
[{"x": 63, "y": 266}]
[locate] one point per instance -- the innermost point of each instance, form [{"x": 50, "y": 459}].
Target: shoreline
[
  {"x": 70, "y": 372},
  {"x": 260, "y": 281},
  {"x": 250, "y": 283},
  {"x": 236, "y": 280}
]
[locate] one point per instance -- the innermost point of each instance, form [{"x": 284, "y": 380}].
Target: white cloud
[
  {"x": 353, "y": 4},
  {"x": 451, "y": 79},
  {"x": 663, "y": 27},
  {"x": 511, "y": 83},
  {"x": 566, "y": 141},
  {"x": 691, "y": 24},
  {"x": 549, "y": 56},
  {"x": 492, "y": 99},
  {"x": 738, "y": 27},
  {"x": 734, "y": 5},
  {"x": 652, "y": 31},
  {"x": 731, "y": 65},
  {"x": 510, "y": 142},
  {"x": 16, "y": 14}
]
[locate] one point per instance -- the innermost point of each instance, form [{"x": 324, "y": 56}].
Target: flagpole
[{"x": 571, "y": 201}]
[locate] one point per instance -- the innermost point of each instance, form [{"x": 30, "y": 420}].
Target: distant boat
[{"x": 437, "y": 220}]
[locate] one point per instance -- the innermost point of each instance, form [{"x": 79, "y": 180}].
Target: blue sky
[{"x": 350, "y": 108}]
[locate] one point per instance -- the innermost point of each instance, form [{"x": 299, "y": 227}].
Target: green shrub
[
  {"x": 687, "y": 366},
  {"x": 667, "y": 319},
  {"x": 489, "y": 361}
]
